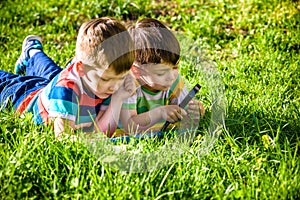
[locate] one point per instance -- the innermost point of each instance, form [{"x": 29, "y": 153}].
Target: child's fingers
[
  {"x": 131, "y": 89},
  {"x": 193, "y": 107},
  {"x": 128, "y": 78},
  {"x": 129, "y": 84},
  {"x": 196, "y": 106},
  {"x": 194, "y": 114},
  {"x": 177, "y": 114},
  {"x": 171, "y": 118},
  {"x": 202, "y": 109},
  {"x": 174, "y": 116},
  {"x": 183, "y": 112}
]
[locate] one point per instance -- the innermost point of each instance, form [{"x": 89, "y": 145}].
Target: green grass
[{"x": 255, "y": 46}]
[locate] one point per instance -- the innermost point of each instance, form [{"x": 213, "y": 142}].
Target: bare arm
[
  {"x": 107, "y": 121},
  {"x": 64, "y": 127},
  {"x": 133, "y": 122}
]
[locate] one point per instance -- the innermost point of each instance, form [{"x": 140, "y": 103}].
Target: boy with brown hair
[
  {"x": 157, "y": 53},
  {"x": 73, "y": 98}
]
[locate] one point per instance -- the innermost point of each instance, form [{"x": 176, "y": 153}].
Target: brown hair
[
  {"x": 154, "y": 42},
  {"x": 105, "y": 42}
]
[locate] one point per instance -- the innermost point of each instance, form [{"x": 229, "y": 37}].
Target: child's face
[
  {"x": 158, "y": 76},
  {"x": 103, "y": 83}
]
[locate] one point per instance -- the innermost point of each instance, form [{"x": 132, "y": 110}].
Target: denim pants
[{"x": 40, "y": 70}]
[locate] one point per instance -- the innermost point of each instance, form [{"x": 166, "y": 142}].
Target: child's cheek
[{"x": 175, "y": 72}]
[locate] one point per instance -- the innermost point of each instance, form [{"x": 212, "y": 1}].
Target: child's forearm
[
  {"x": 144, "y": 120},
  {"x": 64, "y": 128},
  {"x": 108, "y": 122}
]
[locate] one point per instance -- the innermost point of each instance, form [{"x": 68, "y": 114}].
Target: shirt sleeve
[
  {"x": 178, "y": 91},
  {"x": 130, "y": 103},
  {"x": 63, "y": 102}
]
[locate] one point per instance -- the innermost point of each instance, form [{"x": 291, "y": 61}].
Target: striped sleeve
[
  {"x": 130, "y": 103},
  {"x": 63, "y": 102}
]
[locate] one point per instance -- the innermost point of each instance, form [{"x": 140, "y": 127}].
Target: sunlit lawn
[{"x": 255, "y": 47}]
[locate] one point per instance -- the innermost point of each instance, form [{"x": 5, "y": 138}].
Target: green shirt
[{"x": 144, "y": 100}]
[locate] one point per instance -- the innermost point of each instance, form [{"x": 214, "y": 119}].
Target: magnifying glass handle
[{"x": 184, "y": 102}]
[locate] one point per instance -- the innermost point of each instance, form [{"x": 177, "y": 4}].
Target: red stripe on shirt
[
  {"x": 88, "y": 101},
  {"x": 25, "y": 102}
]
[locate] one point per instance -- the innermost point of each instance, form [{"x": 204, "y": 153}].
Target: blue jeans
[{"x": 40, "y": 70}]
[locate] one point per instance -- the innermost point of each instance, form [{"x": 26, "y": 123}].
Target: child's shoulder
[
  {"x": 177, "y": 87},
  {"x": 179, "y": 83},
  {"x": 68, "y": 79}
]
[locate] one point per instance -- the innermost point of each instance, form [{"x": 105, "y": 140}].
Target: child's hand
[
  {"x": 172, "y": 113},
  {"x": 127, "y": 88},
  {"x": 195, "y": 109}
]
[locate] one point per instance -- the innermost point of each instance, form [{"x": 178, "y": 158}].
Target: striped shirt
[
  {"x": 66, "y": 97},
  {"x": 144, "y": 100}
]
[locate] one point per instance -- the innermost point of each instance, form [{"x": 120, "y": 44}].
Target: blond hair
[{"x": 105, "y": 43}]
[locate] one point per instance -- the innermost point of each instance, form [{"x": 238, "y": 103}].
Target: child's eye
[
  {"x": 103, "y": 79},
  {"x": 160, "y": 74}
]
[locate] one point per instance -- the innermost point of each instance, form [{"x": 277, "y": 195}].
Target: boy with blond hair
[
  {"x": 155, "y": 68},
  {"x": 73, "y": 98}
]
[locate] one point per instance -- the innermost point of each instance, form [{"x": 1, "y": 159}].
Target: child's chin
[
  {"x": 165, "y": 88},
  {"x": 162, "y": 89},
  {"x": 104, "y": 96}
]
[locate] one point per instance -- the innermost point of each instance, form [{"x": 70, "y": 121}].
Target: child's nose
[
  {"x": 114, "y": 86},
  {"x": 170, "y": 76}
]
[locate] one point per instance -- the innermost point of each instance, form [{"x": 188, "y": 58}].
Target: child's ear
[{"x": 79, "y": 68}]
